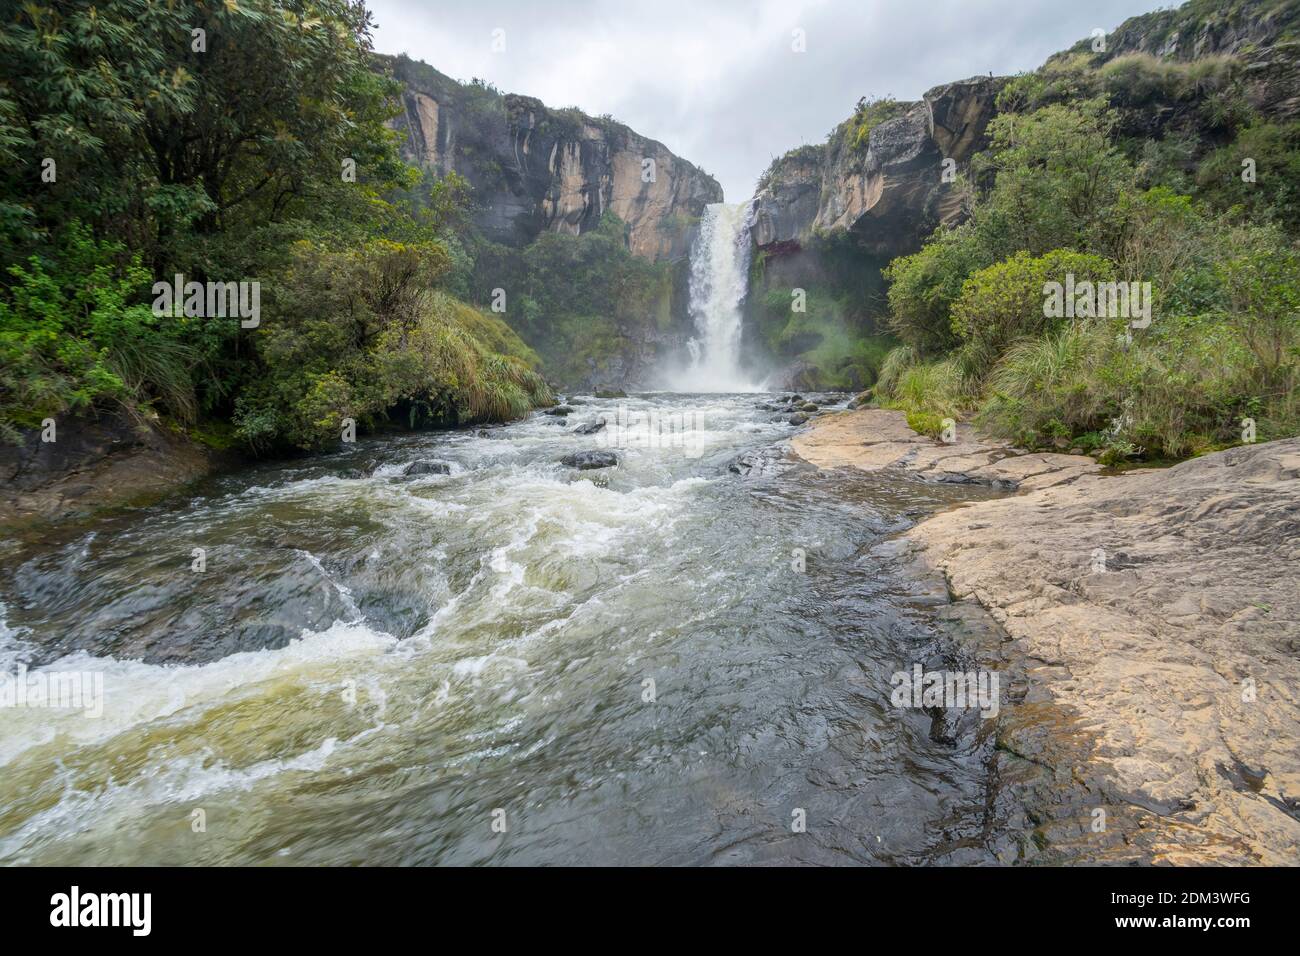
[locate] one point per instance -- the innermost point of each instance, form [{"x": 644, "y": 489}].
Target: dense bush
[
  {"x": 1224, "y": 268},
  {"x": 1057, "y": 176},
  {"x": 1005, "y": 301},
  {"x": 1184, "y": 391},
  {"x": 924, "y": 286},
  {"x": 358, "y": 334},
  {"x": 74, "y": 331}
]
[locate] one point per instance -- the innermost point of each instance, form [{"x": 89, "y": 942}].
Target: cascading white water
[{"x": 719, "y": 281}]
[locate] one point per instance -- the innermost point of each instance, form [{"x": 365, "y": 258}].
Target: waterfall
[{"x": 719, "y": 281}]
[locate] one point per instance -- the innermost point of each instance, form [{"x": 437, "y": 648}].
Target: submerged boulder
[
  {"x": 587, "y": 460},
  {"x": 560, "y": 410},
  {"x": 427, "y": 467},
  {"x": 590, "y": 428},
  {"x": 763, "y": 462}
]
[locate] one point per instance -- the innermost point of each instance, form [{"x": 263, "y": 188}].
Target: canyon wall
[{"x": 533, "y": 168}]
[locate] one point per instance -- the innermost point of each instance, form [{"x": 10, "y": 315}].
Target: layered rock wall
[{"x": 534, "y": 169}]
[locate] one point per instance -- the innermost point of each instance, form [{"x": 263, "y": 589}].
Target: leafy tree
[
  {"x": 1057, "y": 177},
  {"x": 227, "y": 141},
  {"x": 153, "y": 139}
]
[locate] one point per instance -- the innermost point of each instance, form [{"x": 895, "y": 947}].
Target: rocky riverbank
[
  {"x": 1151, "y": 618},
  {"x": 95, "y": 464}
]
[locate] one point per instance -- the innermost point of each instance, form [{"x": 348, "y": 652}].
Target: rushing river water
[{"x": 371, "y": 666}]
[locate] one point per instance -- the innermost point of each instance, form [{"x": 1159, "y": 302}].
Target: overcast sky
[{"x": 717, "y": 81}]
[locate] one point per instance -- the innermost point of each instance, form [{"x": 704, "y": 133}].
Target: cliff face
[
  {"x": 891, "y": 193},
  {"x": 536, "y": 169},
  {"x": 828, "y": 218},
  {"x": 1259, "y": 35}
]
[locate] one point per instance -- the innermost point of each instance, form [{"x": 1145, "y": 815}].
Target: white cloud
[{"x": 718, "y": 83}]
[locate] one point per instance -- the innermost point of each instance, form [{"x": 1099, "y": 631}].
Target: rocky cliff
[
  {"x": 534, "y": 169},
  {"x": 887, "y": 188},
  {"x": 1260, "y": 36}
]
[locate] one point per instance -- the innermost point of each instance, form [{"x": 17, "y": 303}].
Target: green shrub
[
  {"x": 1005, "y": 301},
  {"x": 360, "y": 334},
  {"x": 867, "y": 116},
  {"x": 75, "y": 331},
  {"x": 923, "y": 287},
  {"x": 925, "y": 423},
  {"x": 1057, "y": 175},
  {"x": 1181, "y": 391}
]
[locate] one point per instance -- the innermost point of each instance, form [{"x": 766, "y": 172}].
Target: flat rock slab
[
  {"x": 875, "y": 438},
  {"x": 1157, "y": 613},
  {"x": 1166, "y": 602}
]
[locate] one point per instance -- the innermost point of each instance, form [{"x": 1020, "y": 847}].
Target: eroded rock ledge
[
  {"x": 1157, "y": 610},
  {"x": 872, "y": 438}
]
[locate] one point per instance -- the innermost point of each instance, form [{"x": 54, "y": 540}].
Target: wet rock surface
[
  {"x": 588, "y": 460},
  {"x": 427, "y": 467},
  {"x": 763, "y": 462},
  {"x": 1150, "y": 636},
  {"x": 94, "y": 464}
]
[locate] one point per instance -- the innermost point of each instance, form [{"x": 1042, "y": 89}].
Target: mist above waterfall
[{"x": 719, "y": 281}]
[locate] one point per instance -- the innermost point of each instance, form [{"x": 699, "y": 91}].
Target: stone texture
[
  {"x": 1152, "y": 617},
  {"x": 534, "y": 169},
  {"x": 874, "y": 438},
  {"x": 95, "y": 463},
  {"x": 890, "y": 195}
]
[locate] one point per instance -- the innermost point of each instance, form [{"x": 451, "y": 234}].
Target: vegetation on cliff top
[{"x": 1068, "y": 199}]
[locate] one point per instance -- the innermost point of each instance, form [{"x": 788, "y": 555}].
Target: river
[{"x": 514, "y": 663}]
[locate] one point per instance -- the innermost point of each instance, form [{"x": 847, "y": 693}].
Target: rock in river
[
  {"x": 426, "y": 467},
  {"x": 586, "y": 460},
  {"x": 590, "y": 428}
]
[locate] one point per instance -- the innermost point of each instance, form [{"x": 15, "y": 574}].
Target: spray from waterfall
[{"x": 719, "y": 281}]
